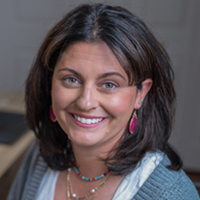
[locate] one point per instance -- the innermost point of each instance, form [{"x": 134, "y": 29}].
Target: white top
[
  {"x": 47, "y": 185},
  {"x": 126, "y": 190}
]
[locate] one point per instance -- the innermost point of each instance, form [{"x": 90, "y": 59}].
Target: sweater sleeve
[
  {"x": 29, "y": 175},
  {"x": 165, "y": 184},
  {"x": 181, "y": 188}
]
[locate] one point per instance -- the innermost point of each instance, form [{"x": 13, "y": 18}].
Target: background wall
[{"x": 176, "y": 24}]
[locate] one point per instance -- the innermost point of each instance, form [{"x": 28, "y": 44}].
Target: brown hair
[{"x": 141, "y": 56}]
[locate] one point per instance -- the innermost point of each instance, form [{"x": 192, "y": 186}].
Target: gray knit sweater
[{"x": 162, "y": 184}]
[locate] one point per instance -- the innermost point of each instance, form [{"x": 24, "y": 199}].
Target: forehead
[
  {"x": 83, "y": 54},
  {"x": 97, "y": 50}
]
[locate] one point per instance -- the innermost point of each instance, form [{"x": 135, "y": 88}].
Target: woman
[{"x": 101, "y": 102}]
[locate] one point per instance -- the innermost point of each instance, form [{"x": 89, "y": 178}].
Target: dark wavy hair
[{"x": 141, "y": 56}]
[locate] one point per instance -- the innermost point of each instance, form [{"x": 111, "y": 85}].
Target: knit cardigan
[{"x": 162, "y": 184}]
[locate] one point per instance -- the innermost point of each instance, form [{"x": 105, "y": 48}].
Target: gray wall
[{"x": 24, "y": 23}]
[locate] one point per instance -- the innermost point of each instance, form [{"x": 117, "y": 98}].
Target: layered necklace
[
  {"x": 95, "y": 190},
  {"x": 70, "y": 192},
  {"x": 84, "y": 177}
]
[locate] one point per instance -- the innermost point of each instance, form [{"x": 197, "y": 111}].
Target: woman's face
[{"x": 91, "y": 97}]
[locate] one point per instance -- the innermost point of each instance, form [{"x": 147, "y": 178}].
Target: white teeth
[
  {"x": 87, "y": 121},
  {"x": 83, "y": 120}
]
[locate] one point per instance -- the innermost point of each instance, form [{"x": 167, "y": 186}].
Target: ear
[{"x": 146, "y": 86}]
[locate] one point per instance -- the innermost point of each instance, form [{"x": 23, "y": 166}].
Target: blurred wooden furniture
[{"x": 10, "y": 153}]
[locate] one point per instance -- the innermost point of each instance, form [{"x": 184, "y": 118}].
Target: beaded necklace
[
  {"x": 92, "y": 191},
  {"x": 86, "y": 178}
]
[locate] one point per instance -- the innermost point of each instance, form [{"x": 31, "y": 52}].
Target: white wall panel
[
  {"x": 33, "y": 10},
  {"x": 167, "y": 13}
]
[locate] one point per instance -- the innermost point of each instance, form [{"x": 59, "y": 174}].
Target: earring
[
  {"x": 52, "y": 116},
  {"x": 140, "y": 101},
  {"x": 133, "y": 122}
]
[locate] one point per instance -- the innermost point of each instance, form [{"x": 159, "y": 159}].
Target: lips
[{"x": 87, "y": 121}]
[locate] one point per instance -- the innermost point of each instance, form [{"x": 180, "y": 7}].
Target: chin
[{"x": 84, "y": 141}]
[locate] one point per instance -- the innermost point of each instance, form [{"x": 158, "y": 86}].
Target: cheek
[
  {"x": 61, "y": 96},
  {"x": 57, "y": 95},
  {"x": 122, "y": 105}
]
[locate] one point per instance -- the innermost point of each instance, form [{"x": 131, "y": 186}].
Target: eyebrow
[
  {"x": 71, "y": 70},
  {"x": 110, "y": 74},
  {"x": 101, "y": 76}
]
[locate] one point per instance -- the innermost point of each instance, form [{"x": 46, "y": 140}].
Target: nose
[{"x": 87, "y": 100}]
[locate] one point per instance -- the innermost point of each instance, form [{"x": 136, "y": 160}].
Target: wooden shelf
[{"x": 9, "y": 153}]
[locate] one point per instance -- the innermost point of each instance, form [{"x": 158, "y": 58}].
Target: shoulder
[
  {"x": 33, "y": 161},
  {"x": 167, "y": 184},
  {"x": 30, "y": 174}
]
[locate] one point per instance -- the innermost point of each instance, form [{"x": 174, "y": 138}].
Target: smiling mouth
[{"x": 87, "y": 120}]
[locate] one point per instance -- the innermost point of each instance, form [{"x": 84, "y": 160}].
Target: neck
[{"x": 88, "y": 159}]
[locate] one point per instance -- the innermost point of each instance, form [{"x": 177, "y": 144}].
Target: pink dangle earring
[
  {"x": 133, "y": 122},
  {"x": 52, "y": 116}
]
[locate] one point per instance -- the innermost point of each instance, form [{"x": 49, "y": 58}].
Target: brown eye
[
  {"x": 109, "y": 85},
  {"x": 72, "y": 80}
]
